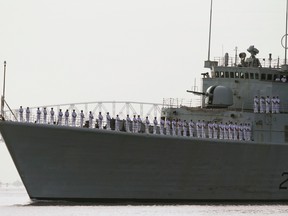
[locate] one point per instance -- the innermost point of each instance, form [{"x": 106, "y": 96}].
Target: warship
[{"x": 79, "y": 163}]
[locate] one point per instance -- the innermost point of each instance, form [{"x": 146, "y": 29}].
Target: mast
[
  {"x": 208, "y": 63},
  {"x": 209, "y": 43},
  {"x": 3, "y": 95},
  {"x": 286, "y": 33}
]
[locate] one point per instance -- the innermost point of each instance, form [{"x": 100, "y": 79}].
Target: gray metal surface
[{"x": 79, "y": 163}]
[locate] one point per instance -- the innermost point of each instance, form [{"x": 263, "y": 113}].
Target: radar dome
[{"x": 218, "y": 97}]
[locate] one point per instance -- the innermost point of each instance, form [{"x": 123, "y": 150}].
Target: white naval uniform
[
  {"x": 215, "y": 130},
  {"x": 173, "y": 127},
  {"x": 147, "y": 123},
  {"x": 203, "y": 129},
  {"x": 179, "y": 127},
  {"x": 21, "y": 113},
  {"x": 184, "y": 128},
  {"x": 191, "y": 128},
  {"x": 60, "y": 115},
  {"x": 221, "y": 131},
  {"x": 134, "y": 125},
  {"x": 256, "y": 104},
  {"x": 117, "y": 123},
  {"x": 27, "y": 114},
  {"x": 241, "y": 130},
  {"x": 82, "y": 118},
  {"x": 168, "y": 123},
  {"x": 128, "y": 120},
  {"x": 162, "y": 123},
  {"x": 108, "y": 121},
  {"x": 52, "y": 116},
  {"x": 139, "y": 123},
  {"x": 231, "y": 131},
  {"x": 38, "y": 115},
  {"x": 44, "y": 115},
  {"x": 268, "y": 101},
  {"x": 91, "y": 117},
  {"x": 262, "y": 105},
  {"x": 155, "y": 122},
  {"x": 74, "y": 115},
  {"x": 198, "y": 129},
  {"x": 210, "y": 130},
  {"x": 100, "y": 119},
  {"x": 226, "y": 131},
  {"x": 66, "y": 117}
]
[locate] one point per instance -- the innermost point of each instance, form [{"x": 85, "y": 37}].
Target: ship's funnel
[{"x": 218, "y": 97}]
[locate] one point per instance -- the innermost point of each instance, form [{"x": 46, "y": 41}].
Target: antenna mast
[
  {"x": 3, "y": 95},
  {"x": 286, "y": 33},
  {"x": 208, "y": 63},
  {"x": 209, "y": 43}
]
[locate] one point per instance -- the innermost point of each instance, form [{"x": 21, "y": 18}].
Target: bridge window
[
  {"x": 231, "y": 74},
  {"x": 226, "y": 74},
  {"x": 222, "y": 74},
  {"x": 241, "y": 75},
  {"x": 251, "y": 75},
  {"x": 263, "y": 76},
  {"x": 256, "y": 76},
  {"x": 246, "y": 76},
  {"x": 269, "y": 76},
  {"x": 216, "y": 74},
  {"x": 236, "y": 75}
]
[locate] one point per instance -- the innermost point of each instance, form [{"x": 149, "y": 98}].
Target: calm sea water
[{"x": 16, "y": 202}]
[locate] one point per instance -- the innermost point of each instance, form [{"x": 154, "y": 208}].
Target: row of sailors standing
[
  {"x": 174, "y": 127},
  {"x": 266, "y": 105}
]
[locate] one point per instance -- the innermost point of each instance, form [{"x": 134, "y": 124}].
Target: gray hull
[{"x": 78, "y": 163}]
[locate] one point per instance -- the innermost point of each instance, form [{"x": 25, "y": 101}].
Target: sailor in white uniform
[
  {"x": 52, "y": 116},
  {"x": 147, "y": 123},
  {"x": 100, "y": 119},
  {"x": 74, "y": 115},
  {"x": 245, "y": 131},
  {"x": 198, "y": 128},
  {"x": 134, "y": 124},
  {"x": 91, "y": 117},
  {"x": 231, "y": 130},
  {"x": 38, "y": 115},
  {"x": 262, "y": 104},
  {"x": 179, "y": 127},
  {"x": 44, "y": 115},
  {"x": 184, "y": 128},
  {"x": 60, "y": 115},
  {"x": 226, "y": 131},
  {"x": 168, "y": 125},
  {"x": 128, "y": 121},
  {"x": 27, "y": 114},
  {"x": 191, "y": 126},
  {"x": 173, "y": 127},
  {"x": 21, "y": 113},
  {"x": 155, "y": 122},
  {"x": 248, "y": 129},
  {"x": 82, "y": 117},
  {"x": 117, "y": 123},
  {"x": 256, "y": 104},
  {"x": 108, "y": 121},
  {"x": 203, "y": 129},
  {"x": 221, "y": 130},
  {"x": 139, "y": 123},
  {"x": 277, "y": 104},
  {"x": 162, "y": 123},
  {"x": 268, "y": 102},
  {"x": 236, "y": 130},
  {"x": 210, "y": 129},
  {"x": 215, "y": 130},
  {"x": 241, "y": 131},
  {"x": 66, "y": 117}
]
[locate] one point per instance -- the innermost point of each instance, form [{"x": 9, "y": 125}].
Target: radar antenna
[{"x": 285, "y": 36}]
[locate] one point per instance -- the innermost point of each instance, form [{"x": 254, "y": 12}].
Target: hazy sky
[{"x": 69, "y": 51}]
